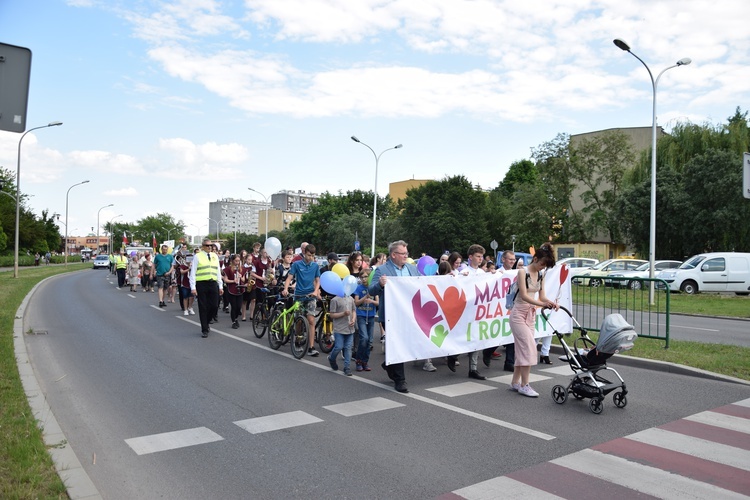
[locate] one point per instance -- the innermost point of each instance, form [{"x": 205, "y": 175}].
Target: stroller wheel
[
  {"x": 559, "y": 394},
  {"x": 620, "y": 399},
  {"x": 596, "y": 405}
]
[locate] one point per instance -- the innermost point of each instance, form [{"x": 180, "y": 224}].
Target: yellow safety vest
[
  {"x": 121, "y": 262},
  {"x": 208, "y": 267}
]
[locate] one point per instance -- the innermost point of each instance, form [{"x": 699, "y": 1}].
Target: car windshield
[
  {"x": 602, "y": 265},
  {"x": 692, "y": 262},
  {"x": 101, "y": 257}
]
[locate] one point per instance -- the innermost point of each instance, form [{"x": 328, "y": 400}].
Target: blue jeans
[
  {"x": 366, "y": 327},
  {"x": 342, "y": 342}
]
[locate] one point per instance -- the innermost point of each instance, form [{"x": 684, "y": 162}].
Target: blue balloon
[
  {"x": 431, "y": 269},
  {"x": 331, "y": 283},
  {"x": 350, "y": 284}
]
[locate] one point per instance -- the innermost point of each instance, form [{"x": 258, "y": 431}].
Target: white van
[{"x": 711, "y": 272}]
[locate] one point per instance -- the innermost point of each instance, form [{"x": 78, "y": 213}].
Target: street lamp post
[
  {"x": 18, "y": 192},
  {"x": 652, "y": 229},
  {"x": 217, "y": 227},
  {"x": 97, "y": 225},
  {"x": 110, "y": 241},
  {"x": 267, "y": 206},
  {"x": 375, "y": 193},
  {"x": 66, "y": 218}
]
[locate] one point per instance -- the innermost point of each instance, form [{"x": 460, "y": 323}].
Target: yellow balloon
[
  {"x": 341, "y": 270},
  {"x": 410, "y": 260}
]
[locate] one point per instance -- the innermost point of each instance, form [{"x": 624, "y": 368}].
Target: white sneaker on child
[
  {"x": 190, "y": 310},
  {"x": 514, "y": 387},
  {"x": 185, "y": 312},
  {"x": 429, "y": 367}
]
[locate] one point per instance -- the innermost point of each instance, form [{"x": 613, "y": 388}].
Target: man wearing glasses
[
  {"x": 396, "y": 265},
  {"x": 206, "y": 284}
]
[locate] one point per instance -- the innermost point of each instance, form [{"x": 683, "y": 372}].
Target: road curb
[
  {"x": 77, "y": 481},
  {"x": 663, "y": 366}
]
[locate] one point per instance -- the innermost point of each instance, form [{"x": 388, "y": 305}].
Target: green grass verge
[{"x": 26, "y": 469}]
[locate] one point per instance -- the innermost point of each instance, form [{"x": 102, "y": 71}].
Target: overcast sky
[{"x": 168, "y": 105}]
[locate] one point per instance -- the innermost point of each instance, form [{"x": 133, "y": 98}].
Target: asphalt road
[{"x": 154, "y": 411}]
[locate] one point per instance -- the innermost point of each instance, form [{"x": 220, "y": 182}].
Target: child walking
[{"x": 344, "y": 316}]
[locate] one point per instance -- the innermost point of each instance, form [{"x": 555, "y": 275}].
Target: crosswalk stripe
[
  {"x": 702, "y": 448},
  {"x": 504, "y": 487},
  {"x": 461, "y": 389},
  {"x": 363, "y": 406},
  {"x": 720, "y": 420},
  {"x": 709, "y": 433},
  {"x": 172, "y": 440},
  {"x": 744, "y": 402},
  {"x": 505, "y": 379},
  {"x": 642, "y": 478},
  {"x": 277, "y": 422}
]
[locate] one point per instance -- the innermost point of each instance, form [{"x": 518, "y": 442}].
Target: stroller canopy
[{"x": 616, "y": 335}]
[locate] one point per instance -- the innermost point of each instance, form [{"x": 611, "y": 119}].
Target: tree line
[{"x": 700, "y": 206}]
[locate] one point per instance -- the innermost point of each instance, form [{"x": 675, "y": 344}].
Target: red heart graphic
[
  {"x": 452, "y": 303},
  {"x": 427, "y": 315},
  {"x": 563, "y": 274}
]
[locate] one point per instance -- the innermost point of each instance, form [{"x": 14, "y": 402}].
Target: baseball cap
[{"x": 332, "y": 256}]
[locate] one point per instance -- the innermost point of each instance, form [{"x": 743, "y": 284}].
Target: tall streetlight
[
  {"x": 18, "y": 192},
  {"x": 110, "y": 241},
  {"x": 168, "y": 231},
  {"x": 267, "y": 205},
  {"x": 66, "y": 218},
  {"x": 217, "y": 226},
  {"x": 375, "y": 194},
  {"x": 97, "y": 225},
  {"x": 652, "y": 229}
]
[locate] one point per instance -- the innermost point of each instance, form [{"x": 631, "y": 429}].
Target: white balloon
[{"x": 273, "y": 247}]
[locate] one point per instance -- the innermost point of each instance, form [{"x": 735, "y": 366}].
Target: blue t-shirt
[
  {"x": 163, "y": 263},
  {"x": 364, "y": 310},
  {"x": 305, "y": 275}
]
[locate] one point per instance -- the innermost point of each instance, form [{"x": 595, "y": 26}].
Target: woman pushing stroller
[{"x": 523, "y": 316}]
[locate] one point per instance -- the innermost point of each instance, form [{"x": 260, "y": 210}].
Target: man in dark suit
[{"x": 396, "y": 265}]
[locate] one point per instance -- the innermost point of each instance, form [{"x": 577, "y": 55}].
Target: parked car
[
  {"x": 640, "y": 272},
  {"x": 595, "y": 276},
  {"x": 578, "y": 265},
  {"x": 711, "y": 272},
  {"x": 101, "y": 261}
]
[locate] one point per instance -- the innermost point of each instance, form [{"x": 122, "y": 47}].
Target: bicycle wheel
[
  {"x": 275, "y": 330},
  {"x": 259, "y": 322},
  {"x": 325, "y": 334},
  {"x": 300, "y": 337}
]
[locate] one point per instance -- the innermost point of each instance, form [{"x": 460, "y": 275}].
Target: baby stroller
[{"x": 588, "y": 360}]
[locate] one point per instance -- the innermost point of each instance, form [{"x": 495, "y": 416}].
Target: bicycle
[
  {"x": 324, "y": 328},
  {"x": 263, "y": 313},
  {"x": 289, "y": 323}
]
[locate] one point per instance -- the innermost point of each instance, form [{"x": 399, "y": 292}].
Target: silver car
[{"x": 633, "y": 278}]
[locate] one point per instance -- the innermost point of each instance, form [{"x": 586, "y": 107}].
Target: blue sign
[{"x": 356, "y": 245}]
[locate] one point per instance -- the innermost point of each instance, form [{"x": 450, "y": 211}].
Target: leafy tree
[
  {"x": 531, "y": 216},
  {"x": 519, "y": 172},
  {"x": 444, "y": 215},
  {"x": 598, "y": 166},
  {"x": 342, "y": 232},
  {"x": 162, "y": 225}
]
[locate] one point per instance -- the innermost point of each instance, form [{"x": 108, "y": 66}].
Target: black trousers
[
  {"x": 235, "y": 304},
  {"x": 395, "y": 371},
  {"x": 208, "y": 302},
  {"x": 121, "y": 277}
]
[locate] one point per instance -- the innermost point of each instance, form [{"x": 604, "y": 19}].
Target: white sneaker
[
  {"x": 514, "y": 387},
  {"x": 185, "y": 312},
  {"x": 429, "y": 367},
  {"x": 528, "y": 391},
  {"x": 190, "y": 310}
]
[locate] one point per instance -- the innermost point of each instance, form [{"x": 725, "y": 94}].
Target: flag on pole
[
  {"x": 125, "y": 238},
  {"x": 153, "y": 240}
]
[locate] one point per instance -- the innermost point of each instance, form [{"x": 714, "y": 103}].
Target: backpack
[{"x": 510, "y": 298}]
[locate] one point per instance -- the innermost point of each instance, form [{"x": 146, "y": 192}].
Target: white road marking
[
  {"x": 563, "y": 369},
  {"x": 484, "y": 418},
  {"x": 462, "y": 389},
  {"x": 505, "y": 487},
  {"x": 720, "y": 420},
  {"x": 506, "y": 379},
  {"x": 696, "y": 447},
  {"x": 158, "y": 308},
  {"x": 672, "y": 325},
  {"x": 363, "y": 406},
  {"x": 638, "y": 477},
  {"x": 277, "y": 422},
  {"x": 744, "y": 402},
  {"x": 172, "y": 440},
  {"x": 131, "y": 295}
]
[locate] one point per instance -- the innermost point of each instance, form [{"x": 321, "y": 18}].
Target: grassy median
[{"x": 26, "y": 469}]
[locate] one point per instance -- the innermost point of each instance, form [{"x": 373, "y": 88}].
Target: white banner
[{"x": 436, "y": 316}]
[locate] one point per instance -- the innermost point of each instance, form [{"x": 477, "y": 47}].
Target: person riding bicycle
[{"x": 307, "y": 274}]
